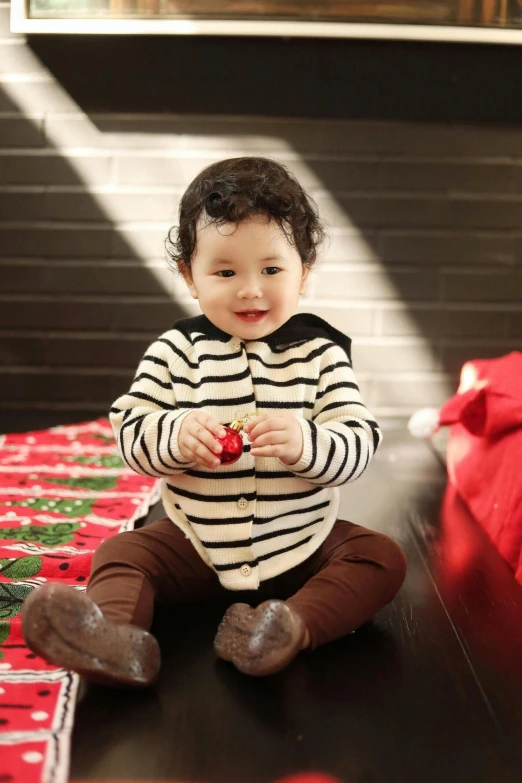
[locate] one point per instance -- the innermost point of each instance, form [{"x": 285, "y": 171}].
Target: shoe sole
[
  {"x": 68, "y": 630},
  {"x": 261, "y": 641}
]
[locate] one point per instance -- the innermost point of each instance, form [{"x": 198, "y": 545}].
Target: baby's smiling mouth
[{"x": 251, "y": 313}]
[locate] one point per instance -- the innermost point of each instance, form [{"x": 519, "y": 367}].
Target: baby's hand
[
  {"x": 197, "y": 439},
  {"x": 277, "y": 435}
]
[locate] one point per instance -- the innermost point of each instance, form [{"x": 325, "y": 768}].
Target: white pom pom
[{"x": 424, "y": 423}]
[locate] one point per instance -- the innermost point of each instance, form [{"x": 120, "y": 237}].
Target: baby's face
[{"x": 246, "y": 266}]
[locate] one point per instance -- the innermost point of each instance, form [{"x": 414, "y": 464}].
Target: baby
[{"x": 263, "y": 529}]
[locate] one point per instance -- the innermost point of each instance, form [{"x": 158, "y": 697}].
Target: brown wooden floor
[{"x": 429, "y": 692}]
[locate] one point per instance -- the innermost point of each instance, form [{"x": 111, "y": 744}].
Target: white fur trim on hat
[{"x": 424, "y": 423}]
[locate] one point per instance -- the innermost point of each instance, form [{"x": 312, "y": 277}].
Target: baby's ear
[{"x": 186, "y": 273}]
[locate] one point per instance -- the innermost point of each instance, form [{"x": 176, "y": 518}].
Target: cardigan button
[
  {"x": 245, "y": 570},
  {"x": 236, "y": 344},
  {"x": 242, "y": 502}
]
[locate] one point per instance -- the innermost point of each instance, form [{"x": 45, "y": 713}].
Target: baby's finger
[
  {"x": 206, "y": 430},
  {"x": 213, "y": 426},
  {"x": 268, "y": 439},
  {"x": 272, "y": 450},
  {"x": 204, "y": 455},
  {"x": 267, "y": 425},
  {"x": 208, "y": 439},
  {"x": 254, "y": 421}
]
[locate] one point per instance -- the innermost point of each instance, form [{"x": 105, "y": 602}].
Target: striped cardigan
[{"x": 256, "y": 518}]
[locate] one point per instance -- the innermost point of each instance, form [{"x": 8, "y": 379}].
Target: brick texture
[{"x": 422, "y": 267}]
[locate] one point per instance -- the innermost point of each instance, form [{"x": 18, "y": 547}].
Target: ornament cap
[{"x": 238, "y": 424}]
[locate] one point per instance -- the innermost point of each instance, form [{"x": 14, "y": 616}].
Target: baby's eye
[
  {"x": 272, "y": 269},
  {"x": 224, "y": 272}
]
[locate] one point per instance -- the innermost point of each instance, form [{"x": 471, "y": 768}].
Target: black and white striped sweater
[{"x": 256, "y": 518}]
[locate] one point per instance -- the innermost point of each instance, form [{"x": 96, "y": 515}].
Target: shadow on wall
[
  {"x": 285, "y": 77},
  {"x": 78, "y": 305}
]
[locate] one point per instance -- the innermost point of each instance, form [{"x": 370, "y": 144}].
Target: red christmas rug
[{"x": 62, "y": 492}]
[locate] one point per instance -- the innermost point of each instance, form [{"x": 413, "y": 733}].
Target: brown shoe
[
  {"x": 66, "y": 628},
  {"x": 260, "y": 641}
]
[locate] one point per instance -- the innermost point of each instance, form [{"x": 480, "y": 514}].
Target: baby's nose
[{"x": 250, "y": 290}]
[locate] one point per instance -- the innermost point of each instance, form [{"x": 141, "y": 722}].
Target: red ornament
[
  {"x": 308, "y": 777},
  {"x": 232, "y": 446}
]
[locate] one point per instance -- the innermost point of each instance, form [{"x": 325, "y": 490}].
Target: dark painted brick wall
[{"x": 412, "y": 151}]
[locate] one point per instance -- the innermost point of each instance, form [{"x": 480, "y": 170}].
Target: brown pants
[{"x": 352, "y": 575}]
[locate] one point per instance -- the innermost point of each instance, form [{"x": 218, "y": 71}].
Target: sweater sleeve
[
  {"x": 342, "y": 436},
  {"x": 146, "y": 420}
]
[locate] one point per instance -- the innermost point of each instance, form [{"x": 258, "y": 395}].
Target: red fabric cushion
[{"x": 485, "y": 449}]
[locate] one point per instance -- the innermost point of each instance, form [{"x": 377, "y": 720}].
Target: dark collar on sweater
[{"x": 301, "y": 326}]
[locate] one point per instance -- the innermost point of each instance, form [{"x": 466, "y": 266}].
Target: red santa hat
[{"x": 484, "y": 451}]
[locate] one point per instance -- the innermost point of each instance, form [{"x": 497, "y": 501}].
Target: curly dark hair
[{"x": 236, "y": 189}]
